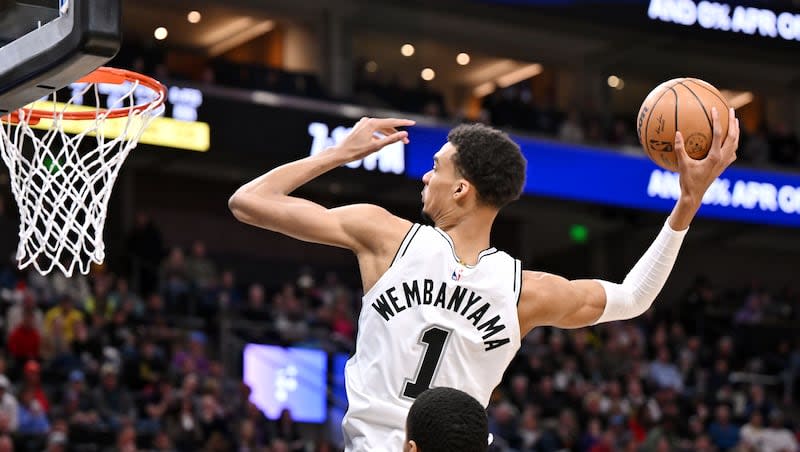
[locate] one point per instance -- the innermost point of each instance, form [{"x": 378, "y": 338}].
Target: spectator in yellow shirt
[{"x": 64, "y": 316}]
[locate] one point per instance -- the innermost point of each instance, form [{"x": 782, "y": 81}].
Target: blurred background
[{"x": 202, "y": 333}]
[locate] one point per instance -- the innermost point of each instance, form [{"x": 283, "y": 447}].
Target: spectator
[
  {"x": 32, "y": 417},
  {"x": 723, "y": 433},
  {"x": 32, "y": 379},
  {"x": 664, "y": 373},
  {"x": 211, "y": 419},
  {"x": 60, "y": 320},
  {"x": 571, "y": 130},
  {"x": 100, "y": 301},
  {"x": 752, "y": 433},
  {"x": 126, "y": 440},
  {"x": 778, "y": 438},
  {"x": 756, "y": 148},
  {"x": 114, "y": 403},
  {"x": 255, "y": 307},
  {"x": 145, "y": 249},
  {"x": 25, "y": 342},
  {"x": 529, "y": 431},
  {"x": 247, "y": 440},
  {"x": 15, "y": 312},
  {"x": 174, "y": 279},
  {"x": 193, "y": 360},
  {"x": 162, "y": 442},
  {"x": 342, "y": 324},
  {"x": 78, "y": 403},
  {"x": 287, "y": 431},
  {"x": 8, "y": 404},
  {"x": 201, "y": 270},
  {"x": 157, "y": 398},
  {"x": 183, "y": 426},
  {"x": 227, "y": 294},
  {"x": 122, "y": 295},
  {"x": 753, "y": 310},
  {"x": 290, "y": 321},
  {"x": 57, "y": 442},
  {"x": 758, "y": 402},
  {"x": 6, "y": 444},
  {"x": 703, "y": 444}
]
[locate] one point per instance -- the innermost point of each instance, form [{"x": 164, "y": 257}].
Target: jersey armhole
[
  {"x": 401, "y": 250},
  {"x": 517, "y": 279}
]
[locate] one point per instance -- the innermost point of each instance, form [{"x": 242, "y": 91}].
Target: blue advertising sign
[
  {"x": 592, "y": 175},
  {"x": 287, "y": 378}
]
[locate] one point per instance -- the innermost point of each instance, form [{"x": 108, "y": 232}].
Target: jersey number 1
[{"x": 435, "y": 339}]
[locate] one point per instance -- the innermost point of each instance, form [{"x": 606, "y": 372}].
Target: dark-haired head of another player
[
  {"x": 478, "y": 169},
  {"x": 446, "y": 420}
]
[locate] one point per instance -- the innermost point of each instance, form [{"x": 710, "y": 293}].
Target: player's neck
[{"x": 470, "y": 233}]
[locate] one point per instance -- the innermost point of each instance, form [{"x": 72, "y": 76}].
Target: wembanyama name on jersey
[{"x": 451, "y": 297}]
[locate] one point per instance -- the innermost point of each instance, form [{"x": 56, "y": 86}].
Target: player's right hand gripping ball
[{"x": 681, "y": 104}]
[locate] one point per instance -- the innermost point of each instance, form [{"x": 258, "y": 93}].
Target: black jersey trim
[
  {"x": 518, "y": 279},
  {"x": 401, "y": 250}
]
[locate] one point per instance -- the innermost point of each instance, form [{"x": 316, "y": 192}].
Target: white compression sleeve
[{"x": 643, "y": 283}]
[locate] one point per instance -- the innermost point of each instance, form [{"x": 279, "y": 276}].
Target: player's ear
[
  {"x": 410, "y": 446},
  {"x": 462, "y": 188}
]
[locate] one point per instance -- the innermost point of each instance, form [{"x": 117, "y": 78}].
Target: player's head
[
  {"x": 446, "y": 420},
  {"x": 478, "y": 166}
]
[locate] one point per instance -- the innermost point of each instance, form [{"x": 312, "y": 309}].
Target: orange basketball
[{"x": 682, "y": 104}]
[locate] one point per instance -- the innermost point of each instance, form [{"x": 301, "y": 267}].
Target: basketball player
[
  {"x": 441, "y": 307},
  {"x": 446, "y": 420}
]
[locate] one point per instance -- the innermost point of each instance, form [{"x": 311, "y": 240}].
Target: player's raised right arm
[{"x": 265, "y": 201}]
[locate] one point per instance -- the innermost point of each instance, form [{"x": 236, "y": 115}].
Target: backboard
[{"x": 48, "y": 44}]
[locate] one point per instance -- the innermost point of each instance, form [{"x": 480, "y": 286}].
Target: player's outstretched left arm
[
  {"x": 266, "y": 202},
  {"x": 550, "y": 300}
]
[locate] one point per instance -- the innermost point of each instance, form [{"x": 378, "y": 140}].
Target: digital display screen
[
  {"x": 287, "y": 378},
  {"x": 602, "y": 176}
]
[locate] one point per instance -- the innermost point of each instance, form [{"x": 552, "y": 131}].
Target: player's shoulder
[
  {"x": 374, "y": 223},
  {"x": 377, "y": 216}
]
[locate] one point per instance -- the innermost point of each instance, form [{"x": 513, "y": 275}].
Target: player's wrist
[{"x": 684, "y": 212}]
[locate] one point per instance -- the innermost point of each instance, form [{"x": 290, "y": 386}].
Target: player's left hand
[
  {"x": 370, "y": 135},
  {"x": 697, "y": 175}
]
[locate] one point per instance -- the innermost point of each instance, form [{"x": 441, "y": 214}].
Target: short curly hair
[
  {"x": 491, "y": 161},
  {"x": 447, "y": 420}
]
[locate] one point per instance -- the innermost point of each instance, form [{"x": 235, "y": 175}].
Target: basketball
[{"x": 681, "y": 104}]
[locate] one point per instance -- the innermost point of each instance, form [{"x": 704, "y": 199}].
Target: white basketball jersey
[{"x": 429, "y": 321}]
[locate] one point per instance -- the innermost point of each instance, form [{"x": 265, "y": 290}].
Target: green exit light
[{"x": 579, "y": 233}]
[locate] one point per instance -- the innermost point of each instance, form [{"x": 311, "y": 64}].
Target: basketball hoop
[{"x": 62, "y": 176}]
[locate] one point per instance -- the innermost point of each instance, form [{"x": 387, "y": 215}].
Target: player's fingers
[
  {"x": 716, "y": 141},
  {"x": 732, "y": 140},
  {"x": 382, "y": 123},
  {"x": 733, "y": 131},
  {"x": 387, "y": 131},
  {"x": 680, "y": 150},
  {"x": 393, "y": 138}
]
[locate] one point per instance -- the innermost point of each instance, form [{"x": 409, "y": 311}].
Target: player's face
[{"x": 439, "y": 183}]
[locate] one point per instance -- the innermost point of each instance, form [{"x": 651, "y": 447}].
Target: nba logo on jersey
[{"x": 456, "y": 276}]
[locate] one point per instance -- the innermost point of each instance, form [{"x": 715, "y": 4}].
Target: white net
[{"x": 62, "y": 173}]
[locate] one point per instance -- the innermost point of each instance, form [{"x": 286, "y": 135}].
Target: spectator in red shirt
[{"x": 25, "y": 342}]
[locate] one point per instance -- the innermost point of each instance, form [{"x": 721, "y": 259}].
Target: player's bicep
[
  {"x": 550, "y": 300},
  {"x": 295, "y": 217},
  {"x": 353, "y": 227}
]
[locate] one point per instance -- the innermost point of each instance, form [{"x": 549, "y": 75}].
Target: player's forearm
[
  {"x": 683, "y": 212},
  {"x": 646, "y": 279},
  {"x": 287, "y": 178}
]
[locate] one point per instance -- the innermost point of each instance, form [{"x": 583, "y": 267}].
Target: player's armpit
[
  {"x": 550, "y": 300},
  {"x": 357, "y": 227}
]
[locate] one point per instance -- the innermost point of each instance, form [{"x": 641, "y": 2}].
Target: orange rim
[{"x": 105, "y": 75}]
